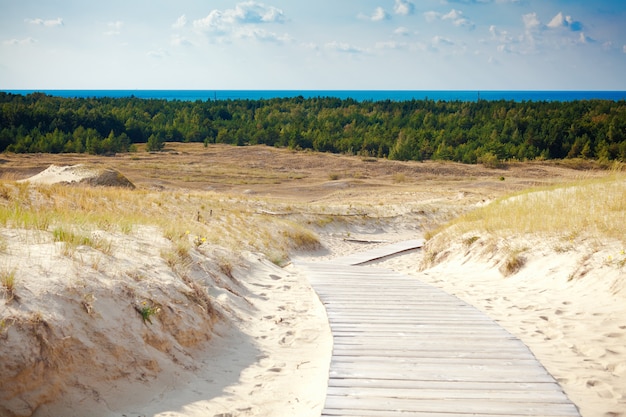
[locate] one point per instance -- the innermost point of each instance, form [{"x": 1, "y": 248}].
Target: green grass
[{"x": 146, "y": 310}]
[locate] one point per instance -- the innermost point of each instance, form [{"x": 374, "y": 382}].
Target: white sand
[{"x": 267, "y": 354}]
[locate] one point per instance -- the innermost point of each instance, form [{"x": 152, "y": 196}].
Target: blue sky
[{"x": 315, "y": 45}]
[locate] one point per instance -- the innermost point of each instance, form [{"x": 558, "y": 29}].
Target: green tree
[{"x": 155, "y": 143}]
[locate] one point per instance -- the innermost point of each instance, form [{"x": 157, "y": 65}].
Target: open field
[{"x": 193, "y": 266}]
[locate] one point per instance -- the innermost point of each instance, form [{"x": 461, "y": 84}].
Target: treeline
[{"x": 467, "y": 132}]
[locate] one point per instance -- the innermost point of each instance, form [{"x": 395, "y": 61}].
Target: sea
[{"x": 357, "y": 95}]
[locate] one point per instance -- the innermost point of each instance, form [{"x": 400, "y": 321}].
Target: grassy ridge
[
  {"x": 71, "y": 214},
  {"x": 586, "y": 209}
]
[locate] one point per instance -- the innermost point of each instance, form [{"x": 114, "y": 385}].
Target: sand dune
[{"x": 235, "y": 335}]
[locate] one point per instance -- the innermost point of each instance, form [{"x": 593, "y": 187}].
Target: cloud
[
  {"x": 432, "y": 16},
  {"x": 262, "y": 35},
  {"x": 47, "y": 23},
  {"x": 180, "y": 23},
  {"x": 454, "y": 16},
  {"x": 178, "y": 40},
  {"x": 344, "y": 48},
  {"x": 390, "y": 45},
  {"x": 440, "y": 40},
  {"x": 249, "y": 12},
  {"x": 585, "y": 39},
  {"x": 531, "y": 21},
  {"x": 624, "y": 49},
  {"x": 404, "y": 7},
  {"x": 561, "y": 21},
  {"x": 402, "y": 31},
  {"x": 115, "y": 28},
  {"x": 379, "y": 15},
  {"x": 158, "y": 54},
  {"x": 17, "y": 42}
]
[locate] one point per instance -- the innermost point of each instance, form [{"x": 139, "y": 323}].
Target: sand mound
[
  {"x": 81, "y": 174},
  {"x": 135, "y": 330}
]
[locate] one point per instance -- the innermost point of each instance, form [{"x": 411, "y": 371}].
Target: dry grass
[
  {"x": 221, "y": 194},
  {"x": 593, "y": 208},
  {"x": 7, "y": 282}
]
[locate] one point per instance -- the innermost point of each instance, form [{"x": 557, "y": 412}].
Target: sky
[{"x": 313, "y": 44}]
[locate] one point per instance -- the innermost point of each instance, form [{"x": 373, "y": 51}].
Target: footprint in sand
[
  {"x": 288, "y": 338},
  {"x": 275, "y": 277},
  {"x": 603, "y": 389}
]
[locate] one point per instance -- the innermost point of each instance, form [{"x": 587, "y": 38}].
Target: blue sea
[{"x": 358, "y": 95}]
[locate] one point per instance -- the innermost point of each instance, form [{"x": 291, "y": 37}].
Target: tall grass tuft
[{"x": 7, "y": 281}]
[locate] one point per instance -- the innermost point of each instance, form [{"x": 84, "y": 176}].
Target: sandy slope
[
  {"x": 230, "y": 335},
  {"x": 263, "y": 349}
]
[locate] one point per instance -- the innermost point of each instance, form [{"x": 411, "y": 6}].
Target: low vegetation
[
  {"x": 586, "y": 209},
  {"x": 71, "y": 215}
]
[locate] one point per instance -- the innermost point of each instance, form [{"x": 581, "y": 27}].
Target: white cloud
[
  {"x": 624, "y": 49},
  {"x": 158, "y": 54},
  {"x": 440, "y": 40},
  {"x": 344, "y": 47},
  {"x": 390, "y": 45},
  {"x": 402, "y": 31},
  {"x": 454, "y": 16},
  {"x": 262, "y": 35},
  {"x": 562, "y": 21},
  {"x": 379, "y": 15},
  {"x": 48, "y": 23},
  {"x": 404, "y": 7},
  {"x": 26, "y": 41},
  {"x": 431, "y": 16},
  {"x": 115, "y": 28},
  {"x": 249, "y": 12},
  {"x": 180, "y": 23},
  {"x": 531, "y": 21},
  {"x": 178, "y": 40},
  {"x": 585, "y": 39}
]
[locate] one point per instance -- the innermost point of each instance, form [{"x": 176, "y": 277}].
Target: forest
[{"x": 468, "y": 132}]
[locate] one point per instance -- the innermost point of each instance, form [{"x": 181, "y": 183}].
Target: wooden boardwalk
[{"x": 404, "y": 348}]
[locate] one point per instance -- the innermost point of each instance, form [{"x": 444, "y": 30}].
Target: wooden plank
[
  {"x": 445, "y": 386},
  {"x": 449, "y": 394},
  {"x": 402, "y": 347},
  {"x": 467, "y": 406}
]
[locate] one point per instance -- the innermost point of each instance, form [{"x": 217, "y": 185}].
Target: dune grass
[
  {"x": 586, "y": 209},
  {"x": 72, "y": 214}
]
